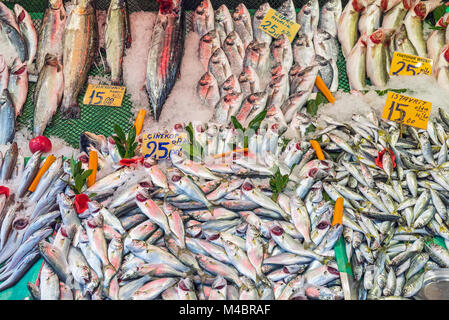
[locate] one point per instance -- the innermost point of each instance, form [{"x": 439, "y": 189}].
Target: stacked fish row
[
  {"x": 26, "y": 218},
  {"x": 18, "y": 48},
  {"x": 213, "y": 229},
  {"x": 371, "y": 31},
  {"x": 248, "y": 71}
]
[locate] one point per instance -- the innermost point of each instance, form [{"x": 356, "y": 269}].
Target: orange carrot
[
  {"x": 322, "y": 87},
  {"x": 93, "y": 165},
  {"x": 139, "y": 121},
  {"x": 338, "y": 212},
  {"x": 221, "y": 155},
  {"x": 316, "y": 146},
  {"x": 50, "y": 159}
]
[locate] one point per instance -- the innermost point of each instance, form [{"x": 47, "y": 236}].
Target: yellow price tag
[
  {"x": 407, "y": 110},
  {"x": 162, "y": 145},
  {"x": 104, "y": 95},
  {"x": 276, "y": 24},
  {"x": 409, "y": 65}
]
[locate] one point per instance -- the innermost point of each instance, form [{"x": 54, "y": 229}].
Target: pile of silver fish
[
  {"x": 247, "y": 71},
  {"x": 26, "y": 217},
  {"x": 212, "y": 229},
  {"x": 371, "y": 31},
  {"x": 18, "y": 46}
]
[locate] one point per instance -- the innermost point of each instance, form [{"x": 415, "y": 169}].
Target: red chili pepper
[
  {"x": 4, "y": 190},
  {"x": 380, "y": 157},
  {"x": 129, "y": 162},
  {"x": 80, "y": 202}
]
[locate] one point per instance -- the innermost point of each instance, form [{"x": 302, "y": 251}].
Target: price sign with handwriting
[
  {"x": 409, "y": 65},
  {"x": 162, "y": 145},
  {"x": 104, "y": 95},
  {"x": 407, "y": 110},
  {"x": 276, "y": 24}
]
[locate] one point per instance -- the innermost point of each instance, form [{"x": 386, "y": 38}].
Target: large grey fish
[
  {"x": 14, "y": 47},
  {"x": 356, "y": 65},
  {"x": 223, "y": 22},
  {"x": 7, "y": 118},
  {"x": 242, "y": 24},
  {"x": 347, "y": 27},
  {"x": 29, "y": 173},
  {"x": 329, "y": 16},
  {"x": 376, "y": 57},
  {"x": 303, "y": 50},
  {"x": 80, "y": 45},
  {"x": 4, "y": 74},
  {"x": 208, "y": 90},
  {"x": 27, "y": 30},
  {"x": 47, "y": 94},
  {"x": 219, "y": 66},
  {"x": 208, "y": 44},
  {"x": 51, "y": 33},
  {"x": 164, "y": 57},
  {"x": 308, "y": 17},
  {"x": 117, "y": 37},
  {"x": 18, "y": 86},
  {"x": 259, "y": 15},
  {"x": 288, "y": 10}
]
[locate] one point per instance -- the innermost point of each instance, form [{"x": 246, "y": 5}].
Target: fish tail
[{"x": 70, "y": 110}]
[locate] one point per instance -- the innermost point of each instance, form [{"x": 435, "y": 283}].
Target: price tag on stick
[
  {"x": 276, "y": 24},
  {"x": 409, "y": 65},
  {"x": 162, "y": 145},
  {"x": 104, "y": 95},
  {"x": 407, "y": 110}
]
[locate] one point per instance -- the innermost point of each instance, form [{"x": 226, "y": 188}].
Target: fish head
[
  {"x": 207, "y": 80},
  {"x": 421, "y": 10},
  {"x": 262, "y": 11},
  {"x": 276, "y": 230},
  {"x": 87, "y": 139},
  {"x": 94, "y": 207},
  {"x": 239, "y": 12},
  {"x": 219, "y": 283},
  {"x": 443, "y": 21},
  {"x": 20, "y": 13},
  {"x": 409, "y": 4},
  {"x": 358, "y": 5},
  {"x": 220, "y": 13},
  {"x": 202, "y": 7},
  {"x": 117, "y": 4},
  {"x": 20, "y": 223},
  {"x": 55, "y": 4},
  {"x": 64, "y": 201},
  {"x": 95, "y": 222},
  {"x": 209, "y": 37},
  {"x": 445, "y": 53},
  {"x": 218, "y": 56},
  {"x": 186, "y": 285},
  {"x": 281, "y": 42}
]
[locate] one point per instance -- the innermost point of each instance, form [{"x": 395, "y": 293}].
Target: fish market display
[
  {"x": 371, "y": 31},
  {"x": 166, "y": 52},
  {"x": 273, "y": 74},
  {"x": 221, "y": 228}
]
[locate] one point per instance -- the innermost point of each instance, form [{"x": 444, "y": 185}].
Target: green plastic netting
[{"x": 101, "y": 120}]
